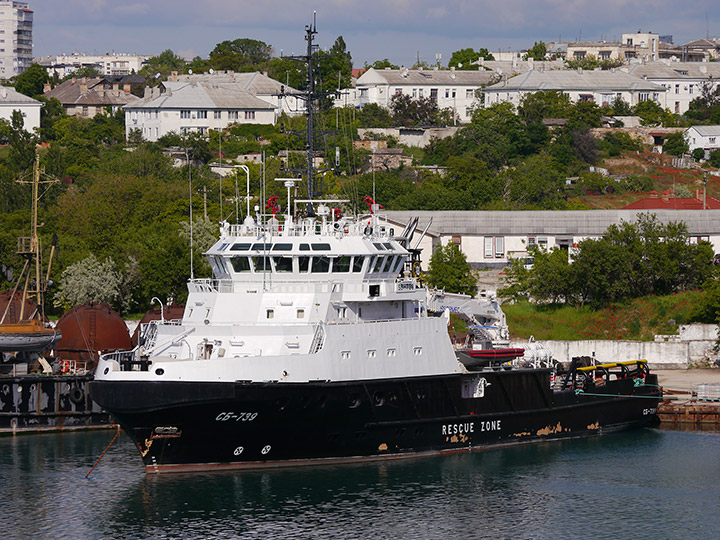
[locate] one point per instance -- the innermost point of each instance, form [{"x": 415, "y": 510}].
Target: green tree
[
  {"x": 584, "y": 115},
  {"x": 89, "y": 72},
  {"x": 449, "y": 270},
  {"x": 705, "y": 109},
  {"x": 373, "y": 115},
  {"x": 51, "y": 112},
  {"x": 31, "y": 82},
  {"x": 620, "y": 107},
  {"x": 536, "y": 106},
  {"x": 89, "y": 280},
  {"x": 241, "y": 54},
  {"x": 537, "y": 183},
  {"x": 651, "y": 114},
  {"x": 714, "y": 158},
  {"x": 537, "y": 52},
  {"x": 381, "y": 64},
  {"x": 407, "y": 111},
  {"x": 22, "y": 143},
  {"x": 287, "y": 71},
  {"x": 164, "y": 63},
  {"x": 335, "y": 67},
  {"x": 675, "y": 144},
  {"x": 497, "y": 135},
  {"x": 465, "y": 59}
]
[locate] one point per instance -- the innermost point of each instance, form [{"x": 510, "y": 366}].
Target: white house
[
  {"x": 683, "y": 81},
  {"x": 11, "y": 100},
  {"x": 184, "y": 107},
  {"x": 705, "y": 137},
  {"x": 450, "y": 89},
  {"x": 283, "y": 98},
  {"x": 601, "y": 87},
  {"x": 490, "y": 239}
]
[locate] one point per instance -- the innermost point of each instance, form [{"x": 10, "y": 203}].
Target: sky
[{"x": 399, "y": 30}]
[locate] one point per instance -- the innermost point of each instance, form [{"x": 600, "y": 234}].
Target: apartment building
[
  {"x": 106, "y": 64},
  {"x": 452, "y": 89},
  {"x": 601, "y": 87},
  {"x": 16, "y": 21}
]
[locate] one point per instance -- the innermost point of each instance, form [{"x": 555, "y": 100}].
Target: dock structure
[{"x": 698, "y": 406}]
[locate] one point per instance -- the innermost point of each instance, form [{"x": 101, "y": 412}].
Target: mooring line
[{"x": 104, "y": 451}]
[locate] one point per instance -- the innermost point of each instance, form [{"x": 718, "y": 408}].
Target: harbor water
[{"x": 654, "y": 484}]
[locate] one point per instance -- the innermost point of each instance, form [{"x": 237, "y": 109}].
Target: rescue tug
[{"x": 313, "y": 343}]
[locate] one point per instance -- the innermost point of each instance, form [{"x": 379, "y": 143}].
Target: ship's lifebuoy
[
  {"x": 64, "y": 366},
  {"x": 416, "y": 269}
]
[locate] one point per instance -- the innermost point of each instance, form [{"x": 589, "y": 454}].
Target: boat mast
[
  {"x": 310, "y": 31},
  {"x": 311, "y": 97},
  {"x": 31, "y": 248}
]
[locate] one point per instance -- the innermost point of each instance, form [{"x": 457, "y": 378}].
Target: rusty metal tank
[
  {"x": 170, "y": 313},
  {"x": 88, "y": 329},
  {"x": 13, "y": 312}
]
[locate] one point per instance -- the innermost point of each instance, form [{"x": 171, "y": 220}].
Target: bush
[{"x": 714, "y": 158}]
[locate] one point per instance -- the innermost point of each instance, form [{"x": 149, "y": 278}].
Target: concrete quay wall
[{"x": 692, "y": 347}]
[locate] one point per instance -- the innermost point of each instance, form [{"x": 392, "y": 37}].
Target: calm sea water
[{"x": 644, "y": 484}]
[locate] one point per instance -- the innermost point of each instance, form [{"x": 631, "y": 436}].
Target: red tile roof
[{"x": 674, "y": 203}]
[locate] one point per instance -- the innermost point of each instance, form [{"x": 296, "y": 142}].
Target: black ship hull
[
  {"x": 30, "y": 403},
  {"x": 182, "y": 426}
]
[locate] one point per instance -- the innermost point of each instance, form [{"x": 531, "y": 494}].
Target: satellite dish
[
  {"x": 212, "y": 71},
  {"x": 189, "y": 71}
]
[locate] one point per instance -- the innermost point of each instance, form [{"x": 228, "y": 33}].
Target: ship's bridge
[{"x": 308, "y": 250}]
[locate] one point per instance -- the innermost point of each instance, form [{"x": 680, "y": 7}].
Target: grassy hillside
[{"x": 638, "y": 319}]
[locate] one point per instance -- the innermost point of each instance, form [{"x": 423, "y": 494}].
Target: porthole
[
  {"x": 159, "y": 371},
  {"x": 379, "y": 399},
  {"x": 106, "y": 371},
  {"x": 354, "y": 401}
]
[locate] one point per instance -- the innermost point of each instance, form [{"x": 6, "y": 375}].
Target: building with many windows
[
  {"x": 185, "y": 107},
  {"x": 452, "y": 89},
  {"x": 16, "y": 44},
  {"x": 601, "y": 87},
  {"x": 107, "y": 64}
]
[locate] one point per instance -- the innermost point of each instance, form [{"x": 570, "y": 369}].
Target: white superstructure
[{"x": 315, "y": 299}]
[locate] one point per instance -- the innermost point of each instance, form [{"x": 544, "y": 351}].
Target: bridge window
[
  {"x": 261, "y": 264},
  {"x": 240, "y": 247},
  {"x": 282, "y": 247},
  {"x": 303, "y": 263},
  {"x": 358, "y": 261},
  {"x": 320, "y": 247},
  {"x": 320, "y": 265},
  {"x": 342, "y": 264},
  {"x": 240, "y": 264},
  {"x": 283, "y": 264}
]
